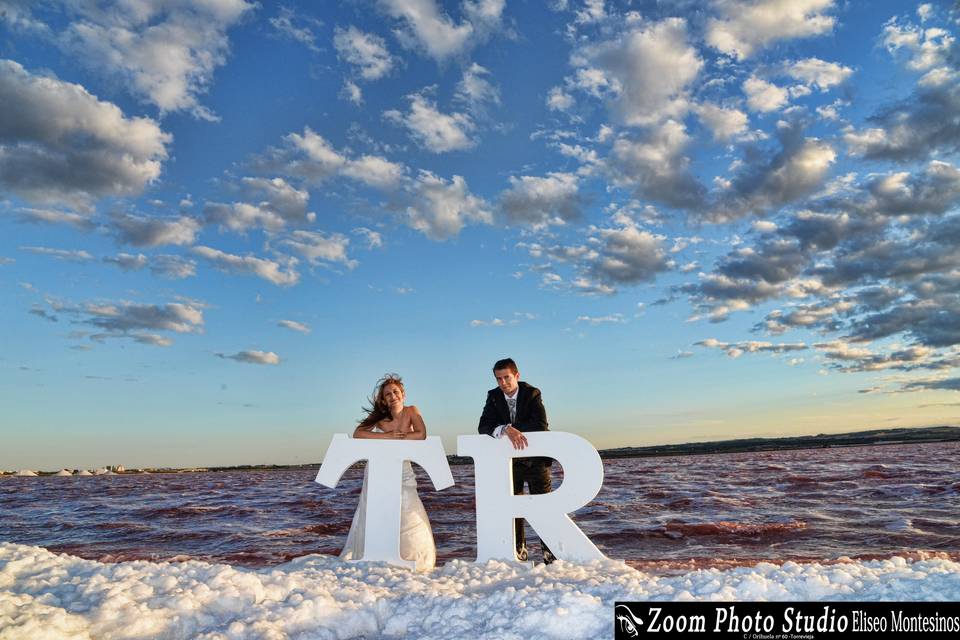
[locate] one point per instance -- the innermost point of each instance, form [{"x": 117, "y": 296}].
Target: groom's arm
[
  {"x": 488, "y": 419},
  {"x": 535, "y": 416}
]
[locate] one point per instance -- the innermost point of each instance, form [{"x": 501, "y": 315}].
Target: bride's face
[{"x": 392, "y": 395}]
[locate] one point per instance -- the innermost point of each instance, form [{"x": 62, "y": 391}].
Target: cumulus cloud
[
  {"x": 818, "y": 73},
  {"x": 311, "y": 157},
  {"x": 318, "y": 247},
  {"x": 559, "y": 100},
  {"x": 278, "y": 205},
  {"x": 426, "y": 28},
  {"x": 294, "y": 326},
  {"x": 628, "y": 255},
  {"x": 52, "y": 216},
  {"x": 765, "y": 182},
  {"x": 141, "y": 231},
  {"x": 269, "y": 270},
  {"x": 432, "y": 130},
  {"x": 374, "y": 239},
  {"x": 440, "y": 208},
  {"x": 745, "y": 26},
  {"x": 166, "y": 266},
  {"x": 656, "y": 167},
  {"x": 289, "y": 25},
  {"x": 351, "y": 92},
  {"x": 476, "y": 91},
  {"x": 622, "y": 255},
  {"x": 166, "y": 52},
  {"x": 928, "y": 122},
  {"x": 644, "y": 74},
  {"x": 724, "y": 123},
  {"x": 764, "y": 96},
  {"x": 614, "y": 318},
  {"x": 533, "y": 200},
  {"x": 60, "y": 144},
  {"x": 127, "y": 261},
  {"x": 252, "y": 357},
  {"x": 134, "y": 321},
  {"x": 737, "y": 349},
  {"x": 74, "y": 255},
  {"x": 935, "y": 190},
  {"x": 365, "y": 51},
  {"x": 172, "y": 267}
]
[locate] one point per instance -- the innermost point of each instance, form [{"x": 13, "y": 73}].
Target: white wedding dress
[{"x": 416, "y": 536}]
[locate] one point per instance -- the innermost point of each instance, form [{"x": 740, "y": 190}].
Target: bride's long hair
[{"x": 380, "y": 410}]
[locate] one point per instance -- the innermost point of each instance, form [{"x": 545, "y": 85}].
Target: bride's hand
[{"x": 399, "y": 435}]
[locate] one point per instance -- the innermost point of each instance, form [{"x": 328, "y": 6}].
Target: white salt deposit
[
  {"x": 63, "y": 472},
  {"x": 45, "y": 595},
  {"x": 26, "y": 472},
  {"x": 84, "y": 472}
]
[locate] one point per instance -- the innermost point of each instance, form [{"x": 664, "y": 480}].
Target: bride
[{"x": 389, "y": 419}]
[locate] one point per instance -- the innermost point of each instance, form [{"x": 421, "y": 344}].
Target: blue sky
[{"x": 222, "y": 221}]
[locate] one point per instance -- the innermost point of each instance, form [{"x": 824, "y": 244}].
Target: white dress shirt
[{"x": 498, "y": 432}]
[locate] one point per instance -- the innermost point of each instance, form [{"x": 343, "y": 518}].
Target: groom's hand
[{"x": 516, "y": 436}]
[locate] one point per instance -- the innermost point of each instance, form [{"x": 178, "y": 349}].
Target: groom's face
[{"x": 507, "y": 380}]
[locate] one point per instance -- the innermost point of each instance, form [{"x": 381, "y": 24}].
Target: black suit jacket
[{"x": 531, "y": 416}]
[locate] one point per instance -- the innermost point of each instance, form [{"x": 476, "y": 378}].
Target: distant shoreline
[{"x": 915, "y": 435}]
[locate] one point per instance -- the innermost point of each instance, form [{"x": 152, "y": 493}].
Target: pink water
[{"x": 663, "y": 515}]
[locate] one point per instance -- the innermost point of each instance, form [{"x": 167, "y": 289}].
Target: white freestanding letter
[
  {"x": 547, "y": 513},
  {"x": 381, "y": 537}
]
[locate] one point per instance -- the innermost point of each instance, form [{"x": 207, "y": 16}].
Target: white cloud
[
  {"x": 366, "y": 51},
  {"x": 818, "y": 73},
  {"x": 439, "y": 208},
  {"x": 284, "y": 23},
  {"x": 536, "y": 201},
  {"x": 76, "y": 255},
  {"x": 615, "y": 318},
  {"x": 253, "y": 357},
  {"x": 764, "y": 96},
  {"x": 312, "y": 157},
  {"x": 294, "y": 326},
  {"x": 172, "y": 267},
  {"x": 374, "y": 239},
  {"x": 926, "y": 48},
  {"x": 50, "y": 216},
  {"x": 374, "y": 171},
  {"x": 319, "y": 247},
  {"x": 351, "y": 92},
  {"x": 127, "y": 261},
  {"x": 655, "y": 165},
  {"x": 724, "y": 123},
  {"x": 476, "y": 91},
  {"x": 166, "y": 52},
  {"x": 559, "y": 100},
  {"x": 60, "y": 144},
  {"x": 261, "y": 267},
  {"x": 426, "y": 28},
  {"x": 434, "y": 131},
  {"x": 142, "y": 231},
  {"x": 644, "y": 73},
  {"x": 748, "y": 25}
]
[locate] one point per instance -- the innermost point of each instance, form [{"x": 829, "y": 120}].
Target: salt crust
[{"x": 46, "y": 596}]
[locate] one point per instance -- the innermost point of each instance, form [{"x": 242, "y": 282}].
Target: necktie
[{"x": 512, "y": 403}]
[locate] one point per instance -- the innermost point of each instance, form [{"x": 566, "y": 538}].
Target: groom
[{"x": 511, "y": 409}]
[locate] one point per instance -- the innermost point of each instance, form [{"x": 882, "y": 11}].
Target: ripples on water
[{"x": 663, "y": 515}]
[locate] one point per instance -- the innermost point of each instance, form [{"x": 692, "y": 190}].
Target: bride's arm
[
  {"x": 368, "y": 432},
  {"x": 418, "y": 430}
]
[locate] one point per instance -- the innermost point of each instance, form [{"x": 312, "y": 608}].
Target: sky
[{"x": 222, "y": 221}]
